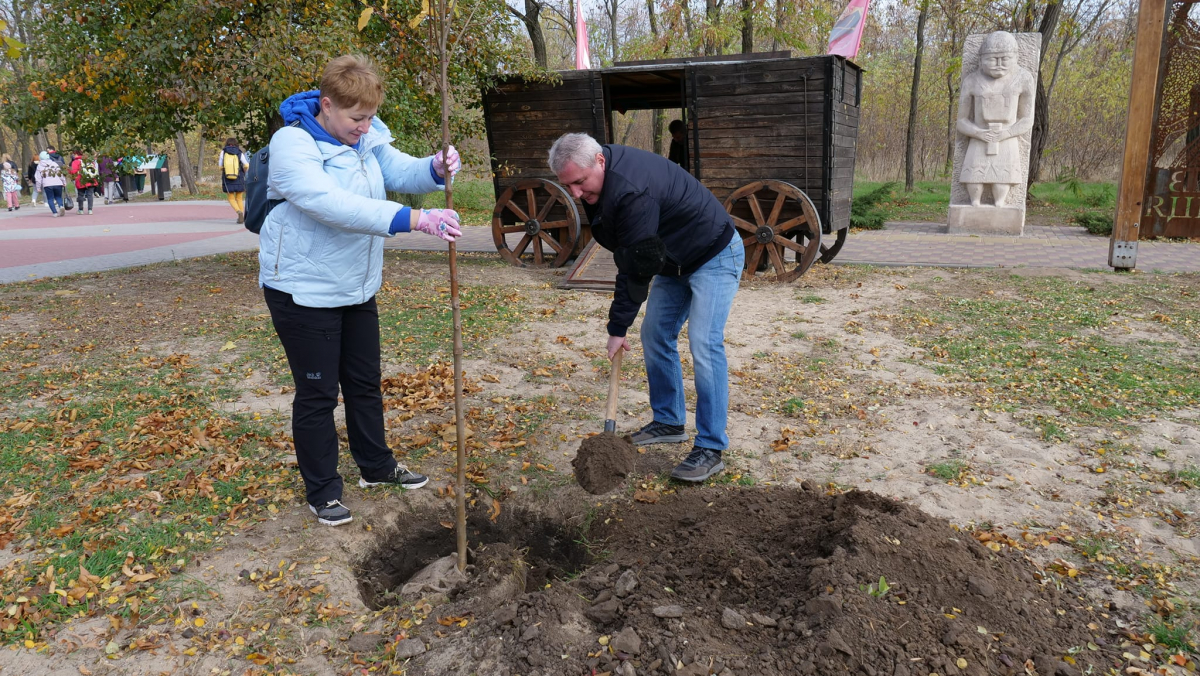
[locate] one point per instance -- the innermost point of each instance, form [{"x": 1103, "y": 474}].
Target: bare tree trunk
[
  {"x": 711, "y": 12},
  {"x": 950, "y": 117},
  {"x": 747, "y": 26},
  {"x": 656, "y": 115},
  {"x": 775, "y": 44},
  {"x": 185, "y": 165},
  {"x": 685, "y": 8},
  {"x": 1041, "y": 109},
  {"x": 533, "y": 25},
  {"x": 911, "y": 134},
  {"x": 612, "y": 22}
]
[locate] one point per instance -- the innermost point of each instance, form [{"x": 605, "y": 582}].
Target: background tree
[{"x": 914, "y": 97}]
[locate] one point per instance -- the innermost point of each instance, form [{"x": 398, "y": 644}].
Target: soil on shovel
[
  {"x": 603, "y": 462},
  {"x": 770, "y": 581}
]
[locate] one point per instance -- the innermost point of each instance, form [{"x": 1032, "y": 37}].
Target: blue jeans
[
  {"x": 702, "y": 299},
  {"x": 54, "y": 195}
]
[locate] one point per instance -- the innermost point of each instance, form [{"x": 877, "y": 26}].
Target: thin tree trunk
[
  {"x": 200, "y": 155},
  {"x": 775, "y": 44},
  {"x": 913, "y": 97},
  {"x": 950, "y": 117},
  {"x": 185, "y": 165},
  {"x": 747, "y": 26},
  {"x": 656, "y": 115}
]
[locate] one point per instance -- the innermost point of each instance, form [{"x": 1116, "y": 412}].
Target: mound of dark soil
[
  {"x": 603, "y": 462},
  {"x": 777, "y": 581}
]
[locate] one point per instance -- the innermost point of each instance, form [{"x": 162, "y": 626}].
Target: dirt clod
[{"x": 603, "y": 462}]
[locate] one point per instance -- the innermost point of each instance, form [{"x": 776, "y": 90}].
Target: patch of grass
[
  {"x": 951, "y": 469},
  {"x": 1051, "y": 431},
  {"x": 1189, "y": 477},
  {"x": 1045, "y": 343},
  {"x": 1176, "y": 638},
  {"x": 474, "y": 200},
  {"x": 800, "y": 335},
  {"x": 793, "y": 407},
  {"x": 810, "y": 298},
  {"x": 1054, "y": 202}
]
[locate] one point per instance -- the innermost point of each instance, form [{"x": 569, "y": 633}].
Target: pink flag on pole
[
  {"x": 583, "y": 56},
  {"x": 846, "y": 35}
]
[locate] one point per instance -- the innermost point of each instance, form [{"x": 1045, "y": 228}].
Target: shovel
[
  {"x": 604, "y": 460},
  {"x": 614, "y": 383}
]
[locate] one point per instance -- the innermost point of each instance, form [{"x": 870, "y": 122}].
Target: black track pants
[{"x": 326, "y": 347}]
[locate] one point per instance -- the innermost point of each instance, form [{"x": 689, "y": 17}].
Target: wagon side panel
[
  {"x": 523, "y": 120},
  {"x": 762, "y": 120},
  {"x": 843, "y": 107}
]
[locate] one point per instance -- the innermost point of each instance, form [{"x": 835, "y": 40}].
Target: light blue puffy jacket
[{"x": 324, "y": 245}]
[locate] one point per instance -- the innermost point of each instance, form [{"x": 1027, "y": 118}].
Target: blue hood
[{"x": 303, "y": 108}]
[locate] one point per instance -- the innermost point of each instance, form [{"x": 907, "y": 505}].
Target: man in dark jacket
[{"x": 663, "y": 225}]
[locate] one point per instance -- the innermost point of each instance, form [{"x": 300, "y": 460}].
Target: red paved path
[{"x": 32, "y": 251}]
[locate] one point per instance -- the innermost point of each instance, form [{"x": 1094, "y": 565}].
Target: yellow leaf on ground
[
  {"x": 365, "y": 17},
  {"x": 228, "y": 346}
]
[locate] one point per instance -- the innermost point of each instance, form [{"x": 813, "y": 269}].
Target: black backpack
[{"x": 257, "y": 204}]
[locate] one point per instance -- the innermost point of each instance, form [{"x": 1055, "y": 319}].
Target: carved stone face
[{"x": 997, "y": 64}]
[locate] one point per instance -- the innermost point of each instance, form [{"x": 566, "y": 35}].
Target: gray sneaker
[
  {"x": 700, "y": 464},
  {"x": 332, "y": 513},
  {"x": 399, "y": 476},
  {"x": 659, "y": 433}
]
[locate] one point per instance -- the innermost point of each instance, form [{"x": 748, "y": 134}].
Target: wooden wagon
[{"x": 772, "y": 136}]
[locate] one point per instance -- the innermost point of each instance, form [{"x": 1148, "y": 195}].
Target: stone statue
[{"x": 995, "y": 116}]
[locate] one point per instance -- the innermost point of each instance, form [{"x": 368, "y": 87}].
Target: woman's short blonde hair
[{"x": 351, "y": 81}]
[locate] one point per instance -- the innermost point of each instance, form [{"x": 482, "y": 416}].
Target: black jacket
[{"x": 647, "y": 197}]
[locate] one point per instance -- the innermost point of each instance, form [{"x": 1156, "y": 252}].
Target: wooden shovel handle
[{"x": 614, "y": 382}]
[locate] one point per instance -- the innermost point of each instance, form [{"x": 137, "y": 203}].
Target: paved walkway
[
  {"x": 33, "y": 245},
  {"x": 928, "y": 244}
]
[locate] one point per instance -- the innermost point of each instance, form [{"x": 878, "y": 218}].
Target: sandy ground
[{"x": 874, "y": 415}]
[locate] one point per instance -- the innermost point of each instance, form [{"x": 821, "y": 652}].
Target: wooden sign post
[{"x": 1143, "y": 96}]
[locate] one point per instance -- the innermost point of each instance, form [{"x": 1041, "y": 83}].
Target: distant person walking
[
  {"x": 87, "y": 178},
  {"x": 11, "y": 178},
  {"x": 49, "y": 177},
  {"x": 30, "y": 179},
  {"x": 233, "y": 165},
  {"x": 109, "y": 178}
]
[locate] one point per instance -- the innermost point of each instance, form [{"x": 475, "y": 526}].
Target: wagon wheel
[
  {"x": 791, "y": 224},
  {"x": 831, "y": 249},
  {"x": 547, "y": 217}
]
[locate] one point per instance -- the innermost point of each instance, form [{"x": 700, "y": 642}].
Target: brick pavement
[{"x": 32, "y": 244}]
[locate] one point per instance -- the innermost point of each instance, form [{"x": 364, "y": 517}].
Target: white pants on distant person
[{"x": 110, "y": 191}]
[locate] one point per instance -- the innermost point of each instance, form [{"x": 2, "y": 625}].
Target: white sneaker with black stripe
[
  {"x": 332, "y": 513},
  {"x": 398, "y": 476}
]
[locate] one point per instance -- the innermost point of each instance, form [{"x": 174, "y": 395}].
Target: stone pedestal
[
  {"x": 986, "y": 220},
  {"x": 995, "y": 120}
]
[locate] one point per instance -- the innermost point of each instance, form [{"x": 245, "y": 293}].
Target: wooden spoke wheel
[
  {"x": 831, "y": 249},
  {"x": 788, "y": 224},
  {"x": 535, "y": 224}
]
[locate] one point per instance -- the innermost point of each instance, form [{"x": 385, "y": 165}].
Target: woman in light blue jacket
[{"x": 321, "y": 264}]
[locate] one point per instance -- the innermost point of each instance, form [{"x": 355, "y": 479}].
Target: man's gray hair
[{"x": 578, "y": 148}]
